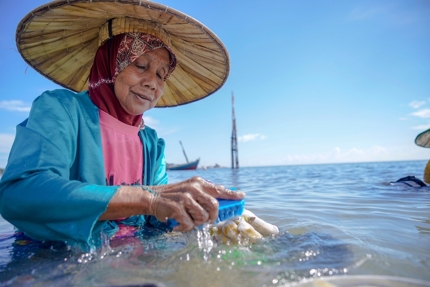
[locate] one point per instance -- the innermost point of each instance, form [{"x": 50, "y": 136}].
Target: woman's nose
[{"x": 149, "y": 80}]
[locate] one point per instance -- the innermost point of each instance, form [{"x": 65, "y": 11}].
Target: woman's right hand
[{"x": 191, "y": 202}]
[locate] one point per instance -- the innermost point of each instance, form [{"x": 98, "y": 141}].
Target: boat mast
[
  {"x": 183, "y": 150},
  {"x": 234, "y": 149}
]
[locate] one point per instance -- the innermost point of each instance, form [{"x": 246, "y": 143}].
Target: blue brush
[
  {"x": 229, "y": 208},
  {"x": 226, "y": 210}
]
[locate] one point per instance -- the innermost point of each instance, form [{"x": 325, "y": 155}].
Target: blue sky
[{"x": 314, "y": 82}]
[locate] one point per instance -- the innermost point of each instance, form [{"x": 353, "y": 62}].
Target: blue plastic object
[{"x": 227, "y": 209}]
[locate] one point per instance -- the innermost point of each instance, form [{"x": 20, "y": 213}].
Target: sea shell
[
  {"x": 242, "y": 229},
  {"x": 264, "y": 228},
  {"x": 229, "y": 229},
  {"x": 247, "y": 231},
  {"x": 221, "y": 238}
]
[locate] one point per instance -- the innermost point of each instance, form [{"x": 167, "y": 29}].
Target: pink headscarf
[{"x": 112, "y": 57}]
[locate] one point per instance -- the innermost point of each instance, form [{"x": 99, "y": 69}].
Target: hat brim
[
  {"x": 423, "y": 139},
  {"x": 60, "y": 39}
]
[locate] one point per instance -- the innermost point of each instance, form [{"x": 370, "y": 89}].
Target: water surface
[{"x": 335, "y": 220}]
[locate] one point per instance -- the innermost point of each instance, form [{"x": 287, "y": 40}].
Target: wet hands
[{"x": 191, "y": 202}]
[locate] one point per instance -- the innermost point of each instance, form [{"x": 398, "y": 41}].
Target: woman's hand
[{"x": 191, "y": 202}]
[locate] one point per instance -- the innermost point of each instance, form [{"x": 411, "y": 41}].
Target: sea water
[{"x": 342, "y": 221}]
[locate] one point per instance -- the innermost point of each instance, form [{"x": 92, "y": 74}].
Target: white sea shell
[
  {"x": 247, "y": 231},
  {"x": 264, "y": 228},
  {"x": 229, "y": 229}
]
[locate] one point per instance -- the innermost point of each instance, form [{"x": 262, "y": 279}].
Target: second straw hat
[
  {"x": 60, "y": 39},
  {"x": 423, "y": 139}
]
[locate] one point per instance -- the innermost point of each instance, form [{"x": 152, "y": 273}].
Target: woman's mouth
[{"x": 141, "y": 96}]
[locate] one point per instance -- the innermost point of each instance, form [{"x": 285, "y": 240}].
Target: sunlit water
[{"x": 335, "y": 220}]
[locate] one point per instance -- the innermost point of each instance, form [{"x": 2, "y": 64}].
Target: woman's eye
[
  {"x": 141, "y": 67},
  {"x": 161, "y": 75}
]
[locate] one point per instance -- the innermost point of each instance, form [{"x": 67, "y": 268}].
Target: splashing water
[{"x": 204, "y": 240}]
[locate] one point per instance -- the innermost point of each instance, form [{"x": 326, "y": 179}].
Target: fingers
[
  {"x": 172, "y": 206},
  {"x": 205, "y": 193},
  {"x": 185, "y": 223},
  {"x": 225, "y": 193},
  {"x": 196, "y": 211},
  {"x": 219, "y": 191},
  {"x": 184, "y": 209},
  {"x": 192, "y": 202},
  {"x": 210, "y": 205},
  {"x": 193, "y": 215}
]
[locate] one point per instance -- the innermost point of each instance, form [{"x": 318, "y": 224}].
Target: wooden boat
[{"x": 184, "y": 166}]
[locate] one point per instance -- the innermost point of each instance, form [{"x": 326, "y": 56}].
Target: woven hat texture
[
  {"x": 60, "y": 39},
  {"x": 423, "y": 139}
]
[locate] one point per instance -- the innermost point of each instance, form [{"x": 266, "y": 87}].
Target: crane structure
[
  {"x": 234, "y": 148},
  {"x": 183, "y": 150}
]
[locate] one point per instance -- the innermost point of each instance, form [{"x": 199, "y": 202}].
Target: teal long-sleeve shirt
[{"x": 54, "y": 185}]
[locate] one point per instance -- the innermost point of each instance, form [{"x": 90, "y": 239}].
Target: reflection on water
[
  {"x": 175, "y": 259},
  {"x": 334, "y": 220},
  {"x": 422, "y": 228}
]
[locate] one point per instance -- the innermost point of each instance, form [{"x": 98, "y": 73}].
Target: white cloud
[
  {"x": 421, "y": 127},
  {"x": 6, "y": 141},
  {"x": 15, "y": 105},
  {"x": 390, "y": 13},
  {"x": 416, "y": 104},
  {"x": 362, "y": 13},
  {"x": 378, "y": 150},
  {"x": 357, "y": 154},
  {"x": 337, "y": 155},
  {"x": 150, "y": 121},
  {"x": 425, "y": 113},
  {"x": 251, "y": 137}
]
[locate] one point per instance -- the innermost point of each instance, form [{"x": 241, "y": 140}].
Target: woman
[{"x": 84, "y": 163}]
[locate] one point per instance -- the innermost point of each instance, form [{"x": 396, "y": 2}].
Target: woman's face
[{"x": 139, "y": 86}]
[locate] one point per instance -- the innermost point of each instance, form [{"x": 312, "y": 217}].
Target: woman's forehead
[{"x": 157, "y": 55}]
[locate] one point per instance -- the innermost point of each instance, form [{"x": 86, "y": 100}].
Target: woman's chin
[{"x": 137, "y": 109}]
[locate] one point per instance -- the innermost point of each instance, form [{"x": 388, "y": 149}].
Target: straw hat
[
  {"x": 423, "y": 139},
  {"x": 60, "y": 40}
]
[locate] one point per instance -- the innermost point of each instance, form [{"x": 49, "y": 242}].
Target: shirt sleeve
[
  {"x": 161, "y": 173},
  {"x": 37, "y": 194},
  {"x": 155, "y": 161}
]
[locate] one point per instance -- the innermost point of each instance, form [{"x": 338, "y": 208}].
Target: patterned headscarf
[{"x": 112, "y": 58}]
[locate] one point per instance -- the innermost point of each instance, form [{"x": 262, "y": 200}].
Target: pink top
[
  {"x": 122, "y": 151},
  {"x": 123, "y": 157}
]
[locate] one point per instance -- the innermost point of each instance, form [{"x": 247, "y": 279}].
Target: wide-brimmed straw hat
[
  {"x": 423, "y": 139},
  {"x": 60, "y": 40}
]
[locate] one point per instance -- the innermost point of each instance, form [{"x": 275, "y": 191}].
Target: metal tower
[{"x": 234, "y": 150}]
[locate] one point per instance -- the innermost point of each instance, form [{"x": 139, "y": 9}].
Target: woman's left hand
[{"x": 191, "y": 202}]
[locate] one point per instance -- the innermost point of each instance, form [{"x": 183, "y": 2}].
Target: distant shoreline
[{"x": 364, "y": 162}]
